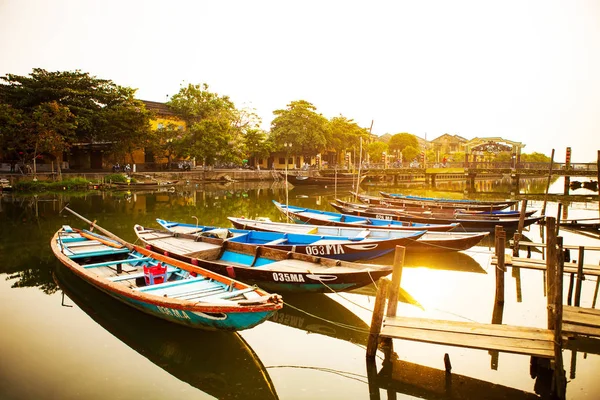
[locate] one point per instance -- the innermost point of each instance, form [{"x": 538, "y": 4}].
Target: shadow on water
[
  {"x": 451, "y": 261},
  {"x": 220, "y": 364}
]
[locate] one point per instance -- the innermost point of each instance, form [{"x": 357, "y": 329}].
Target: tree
[
  {"x": 257, "y": 145},
  {"x": 410, "y": 153},
  {"x": 215, "y": 126},
  {"x": 376, "y": 150},
  {"x": 300, "y": 125},
  {"x": 400, "y": 141},
  {"x": 344, "y": 135},
  {"x": 93, "y": 110}
]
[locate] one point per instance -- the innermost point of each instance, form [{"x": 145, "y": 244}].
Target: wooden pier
[{"x": 565, "y": 323}]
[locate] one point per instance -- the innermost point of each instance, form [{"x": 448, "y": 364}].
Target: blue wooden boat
[
  {"x": 159, "y": 285},
  {"x": 468, "y": 222},
  {"x": 318, "y": 217},
  {"x": 431, "y": 204},
  {"x": 460, "y": 202},
  {"x": 270, "y": 269},
  {"x": 430, "y": 242},
  {"x": 357, "y": 247}
]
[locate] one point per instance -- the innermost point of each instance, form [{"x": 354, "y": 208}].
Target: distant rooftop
[{"x": 158, "y": 108}]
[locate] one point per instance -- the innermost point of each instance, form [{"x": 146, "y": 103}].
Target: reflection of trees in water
[{"x": 28, "y": 222}]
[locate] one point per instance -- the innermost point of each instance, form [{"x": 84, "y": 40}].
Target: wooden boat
[
  {"x": 469, "y": 223},
  {"x": 271, "y": 269},
  {"x": 424, "y": 206},
  {"x": 142, "y": 185},
  {"x": 447, "y": 203},
  {"x": 328, "y": 246},
  {"x": 430, "y": 242},
  {"x": 318, "y": 217},
  {"x": 584, "y": 224},
  {"x": 329, "y": 181},
  {"x": 446, "y": 213},
  {"x": 202, "y": 359},
  {"x": 159, "y": 285}
]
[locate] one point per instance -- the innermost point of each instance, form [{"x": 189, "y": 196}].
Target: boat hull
[
  {"x": 436, "y": 242},
  {"x": 207, "y": 316}
]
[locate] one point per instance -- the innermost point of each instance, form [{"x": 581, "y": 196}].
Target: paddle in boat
[
  {"x": 430, "y": 242},
  {"x": 357, "y": 247},
  {"x": 270, "y": 269},
  {"x": 319, "y": 217},
  {"x": 159, "y": 285}
]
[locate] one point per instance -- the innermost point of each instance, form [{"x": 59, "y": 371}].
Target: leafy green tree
[
  {"x": 302, "y": 126},
  {"x": 376, "y": 150},
  {"x": 215, "y": 126},
  {"x": 101, "y": 110},
  {"x": 400, "y": 141},
  {"x": 257, "y": 145},
  {"x": 534, "y": 157},
  {"x": 409, "y": 153},
  {"x": 167, "y": 141},
  {"x": 344, "y": 134}
]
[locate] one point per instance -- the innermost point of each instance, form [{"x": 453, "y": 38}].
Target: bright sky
[{"x": 526, "y": 71}]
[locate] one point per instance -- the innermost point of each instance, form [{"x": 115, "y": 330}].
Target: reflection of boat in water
[
  {"x": 398, "y": 376},
  {"x": 453, "y": 261},
  {"x": 318, "y": 313},
  {"x": 220, "y": 364}
]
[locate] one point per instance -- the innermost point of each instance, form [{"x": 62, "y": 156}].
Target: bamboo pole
[
  {"x": 101, "y": 229},
  {"x": 550, "y": 178}
]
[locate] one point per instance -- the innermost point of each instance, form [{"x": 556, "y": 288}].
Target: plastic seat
[{"x": 155, "y": 274}]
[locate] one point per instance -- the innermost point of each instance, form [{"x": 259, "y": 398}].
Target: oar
[{"x": 101, "y": 229}]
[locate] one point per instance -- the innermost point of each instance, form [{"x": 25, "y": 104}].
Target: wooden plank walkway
[
  {"x": 506, "y": 338},
  {"x": 580, "y": 321},
  {"x": 531, "y": 263}
]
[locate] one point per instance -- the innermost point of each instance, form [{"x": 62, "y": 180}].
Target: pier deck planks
[{"x": 505, "y": 338}]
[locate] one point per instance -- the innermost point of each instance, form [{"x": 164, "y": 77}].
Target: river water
[{"x": 62, "y": 339}]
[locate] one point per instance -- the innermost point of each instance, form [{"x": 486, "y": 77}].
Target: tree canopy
[
  {"x": 400, "y": 141},
  {"x": 50, "y": 111},
  {"x": 215, "y": 128},
  {"x": 300, "y": 125}
]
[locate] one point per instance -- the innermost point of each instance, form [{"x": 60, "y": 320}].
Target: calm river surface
[{"x": 62, "y": 339}]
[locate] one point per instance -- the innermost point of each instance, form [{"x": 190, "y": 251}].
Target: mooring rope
[
  {"x": 345, "y": 374},
  {"x": 341, "y": 325}
]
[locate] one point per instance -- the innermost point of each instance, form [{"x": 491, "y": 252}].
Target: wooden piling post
[
  {"x": 516, "y": 240},
  {"x": 558, "y": 214},
  {"x": 550, "y": 178},
  {"x": 500, "y": 264},
  {"x": 396, "y": 280},
  {"x": 522, "y": 216},
  {"x": 377, "y": 319},
  {"x": 550, "y": 267},
  {"x": 560, "y": 382},
  {"x": 580, "y": 276}
]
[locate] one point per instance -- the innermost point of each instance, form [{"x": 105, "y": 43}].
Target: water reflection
[{"x": 220, "y": 364}]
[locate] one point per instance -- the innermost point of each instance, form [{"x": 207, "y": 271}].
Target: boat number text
[
  {"x": 321, "y": 250},
  {"x": 281, "y": 277},
  {"x": 172, "y": 312},
  {"x": 386, "y": 217}
]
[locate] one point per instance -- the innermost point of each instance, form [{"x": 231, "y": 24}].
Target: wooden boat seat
[
  {"x": 361, "y": 235},
  {"x": 126, "y": 277},
  {"x": 168, "y": 284},
  {"x": 277, "y": 241},
  {"x": 117, "y": 262}
]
